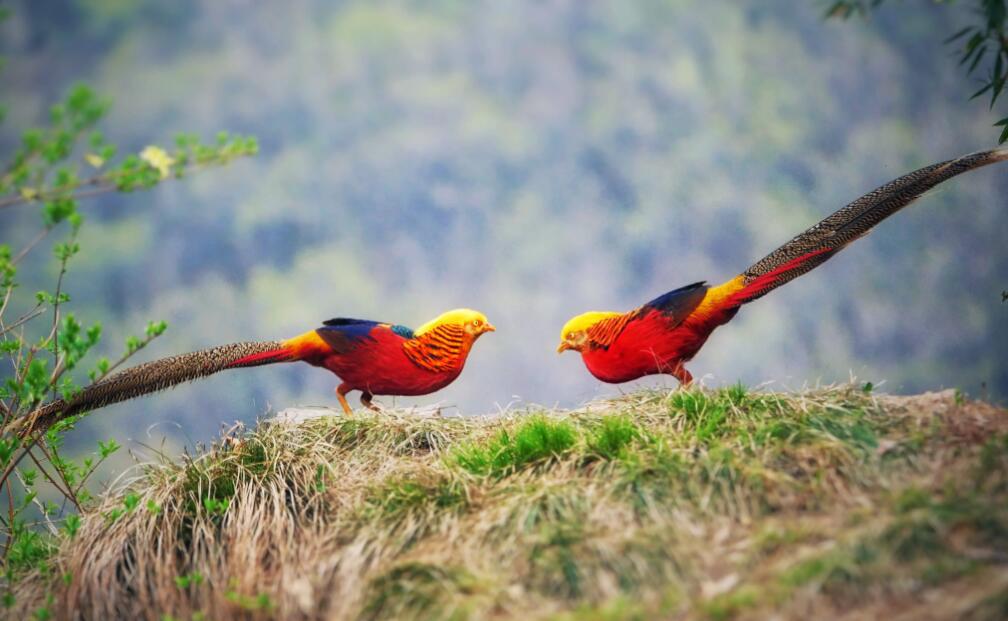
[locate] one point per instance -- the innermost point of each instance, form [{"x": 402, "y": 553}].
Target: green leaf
[
  {"x": 58, "y": 209},
  {"x": 29, "y": 497},
  {"x": 983, "y": 90},
  {"x": 156, "y": 328},
  {"x": 107, "y": 448},
  {"x": 74, "y": 341},
  {"x": 65, "y": 251},
  {"x": 214, "y": 505},
  {"x": 31, "y": 140},
  {"x": 998, "y": 81},
  {"x": 36, "y": 381},
  {"x": 44, "y": 297},
  {"x": 976, "y": 60},
  {"x": 71, "y": 525},
  {"x": 96, "y": 140},
  {"x": 962, "y": 33},
  {"x": 56, "y": 114},
  {"x": 971, "y": 47},
  {"x": 192, "y": 579},
  {"x": 7, "y": 448},
  {"x": 101, "y": 368},
  {"x": 131, "y": 501},
  {"x": 132, "y": 344}
]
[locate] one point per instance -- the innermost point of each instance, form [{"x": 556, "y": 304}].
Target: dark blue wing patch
[
  {"x": 344, "y": 334},
  {"x": 680, "y": 302}
]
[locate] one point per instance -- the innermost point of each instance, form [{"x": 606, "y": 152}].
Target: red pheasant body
[
  {"x": 379, "y": 358},
  {"x": 379, "y": 365},
  {"x": 651, "y": 344}
]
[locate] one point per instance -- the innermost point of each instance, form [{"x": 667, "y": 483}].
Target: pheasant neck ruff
[
  {"x": 440, "y": 349},
  {"x": 604, "y": 333}
]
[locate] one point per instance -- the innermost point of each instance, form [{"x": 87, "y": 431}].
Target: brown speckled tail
[
  {"x": 157, "y": 375},
  {"x": 857, "y": 218}
]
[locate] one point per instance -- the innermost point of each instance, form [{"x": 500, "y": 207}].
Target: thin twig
[
  {"x": 97, "y": 180},
  {"x": 5, "y": 480},
  {"x": 4, "y": 523},
  {"x": 42, "y": 510},
  {"x": 7, "y": 297},
  {"x": 34, "y": 242},
  {"x": 10, "y": 523},
  {"x": 53, "y": 460},
  {"x": 51, "y": 479},
  {"x": 35, "y": 312},
  {"x": 10, "y": 468},
  {"x": 57, "y": 371},
  {"x": 87, "y": 475}
]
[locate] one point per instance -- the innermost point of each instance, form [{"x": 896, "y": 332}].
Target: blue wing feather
[
  {"x": 344, "y": 334},
  {"x": 680, "y": 302}
]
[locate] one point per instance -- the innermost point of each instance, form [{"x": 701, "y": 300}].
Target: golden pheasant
[
  {"x": 373, "y": 357},
  {"x": 664, "y": 334}
]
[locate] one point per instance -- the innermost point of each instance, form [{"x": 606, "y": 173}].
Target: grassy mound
[{"x": 691, "y": 504}]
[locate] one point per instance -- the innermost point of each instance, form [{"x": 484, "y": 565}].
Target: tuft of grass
[
  {"x": 533, "y": 441},
  {"x": 422, "y": 591},
  {"x": 708, "y": 416},
  {"x": 840, "y": 570},
  {"x": 773, "y": 538},
  {"x": 556, "y": 561},
  {"x": 613, "y": 436},
  {"x": 728, "y": 605},
  {"x": 396, "y": 499}
]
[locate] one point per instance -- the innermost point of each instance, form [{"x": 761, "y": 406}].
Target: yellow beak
[
  {"x": 563, "y": 347},
  {"x": 488, "y": 327}
]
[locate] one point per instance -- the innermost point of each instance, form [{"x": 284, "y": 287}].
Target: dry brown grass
[{"x": 693, "y": 504}]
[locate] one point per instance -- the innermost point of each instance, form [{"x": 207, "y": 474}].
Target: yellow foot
[{"x": 341, "y": 392}]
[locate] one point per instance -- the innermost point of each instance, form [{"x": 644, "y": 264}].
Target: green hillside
[{"x": 688, "y": 504}]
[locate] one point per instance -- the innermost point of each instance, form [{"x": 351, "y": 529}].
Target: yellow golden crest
[
  {"x": 458, "y": 316},
  {"x": 584, "y": 321}
]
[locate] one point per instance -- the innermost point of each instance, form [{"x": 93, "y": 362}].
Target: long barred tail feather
[
  {"x": 836, "y": 231},
  {"x": 158, "y": 375}
]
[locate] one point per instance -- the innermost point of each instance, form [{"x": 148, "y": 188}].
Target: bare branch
[
  {"x": 35, "y": 312},
  {"x": 34, "y": 242}
]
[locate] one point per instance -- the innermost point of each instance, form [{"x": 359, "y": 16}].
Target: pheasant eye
[{"x": 476, "y": 323}]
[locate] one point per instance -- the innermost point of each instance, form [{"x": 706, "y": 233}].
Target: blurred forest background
[{"x": 529, "y": 159}]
